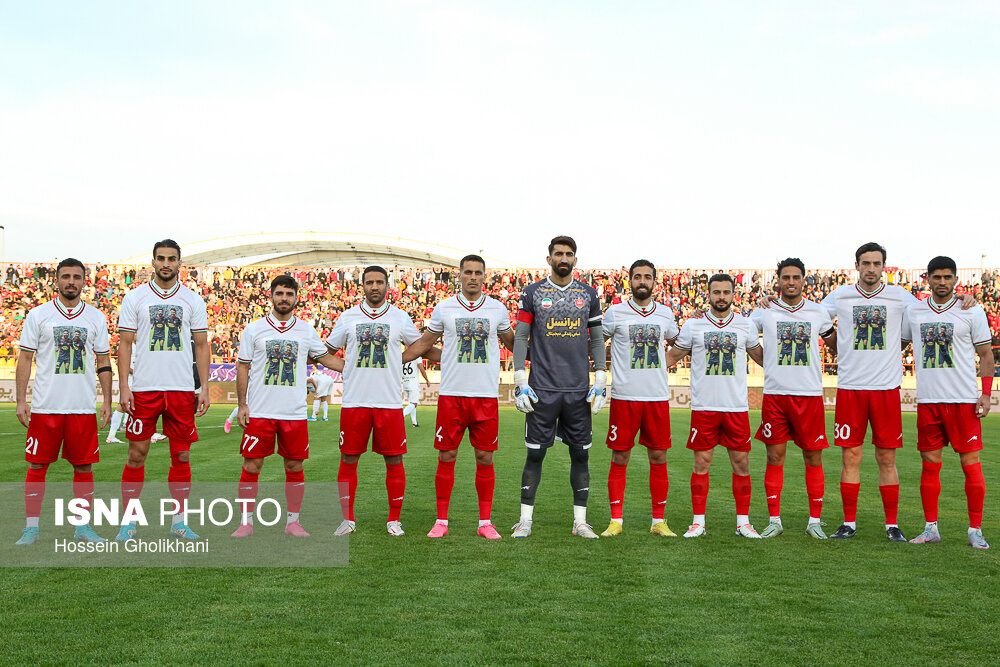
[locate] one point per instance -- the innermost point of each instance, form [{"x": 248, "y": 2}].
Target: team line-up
[{"x": 561, "y": 327}]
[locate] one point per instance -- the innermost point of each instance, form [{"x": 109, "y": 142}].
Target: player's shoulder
[
  {"x": 809, "y": 305},
  {"x": 41, "y": 311},
  {"x": 187, "y": 294},
  {"x": 580, "y": 285}
]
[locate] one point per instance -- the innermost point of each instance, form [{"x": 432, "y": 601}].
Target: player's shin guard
[
  {"x": 815, "y": 488},
  {"x": 659, "y": 487},
  {"x": 890, "y": 502},
  {"x": 579, "y": 475},
  {"x": 975, "y": 493},
  {"x": 444, "y": 482},
  {"x": 132, "y": 479},
  {"x": 395, "y": 485},
  {"x": 699, "y": 493},
  {"x": 485, "y": 481},
  {"x": 247, "y": 490},
  {"x": 532, "y": 475},
  {"x": 34, "y": 491},
  {"x": 347, "y": 485},
  {"x": 295, "y": 489},
  {"x": 930, "y": 490},
  {"x": 83, "y": 487},
  {"x": 616, "y": 489},
  {"x": 774, "y": 481},
  {"x": 849, "y": 498},
  {"x": 179, "y": 483},
  {"x": 742, "y": 489}
]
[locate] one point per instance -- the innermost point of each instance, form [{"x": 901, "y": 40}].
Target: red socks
[
  {"x": 815, "y": 487},
  {"x": 774, "y": 480},
  {"x": 132, "y": 479},
  {"x": 347, "y": 483},
  {"x": 930, "y": 490},
  {"x": 444, "y": 482},
  {"x": 83, "y": 486},
  {"x": 699, "y": 492},
  {"x": 975, "y": 493},
  {"x": 179, "y": 479},
  {"x": 247, "y": 490},
  {"x": 295, "y": 489},
  {"x": 890, "y": 502},
  {"x": 659, "y": 486},
  {"x": 485, "y": 481},
  {"x": 395, "y": 485},
  {"x": 849, "y": 496},
  {"x": 34, "y": 491},
  {"x": 741, "y": 493},
  {"x": 616, "y": 489}
]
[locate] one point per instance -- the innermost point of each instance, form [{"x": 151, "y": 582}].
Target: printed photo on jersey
[
  {"x": 71, "y": 350},
  {"x": 473, "y": 336},
  {"x": 869, "y": 327},
  {"x": 282, "y": 361},
  {"x": 165, "y": 323},
  {"x": 720, "y": 350},
  {"x": 373, "y": 342},
  {"x": 936, "y": 337},
  {"x": 644, "y": 340},
  {"x": 794, "y": 342}
]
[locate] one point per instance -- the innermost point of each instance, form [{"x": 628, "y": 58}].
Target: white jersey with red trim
[
  {"x": 718, "y": 360},
  {"x": 163, "y": 321},
  {"x": 944, "y": 349},
  {"x": 793, "y": 365},
  {"x": 637, "y": 336},
  {"x": 278, "y": 353},
  {"x": 65, "y": 342},
  {"x": 470, "y": 356},
  {"x": 372, "y": 340},
  {"x": 869, "y": 332}
]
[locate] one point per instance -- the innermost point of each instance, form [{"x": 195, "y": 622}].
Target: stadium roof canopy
[{"x": 317, "y": 249}]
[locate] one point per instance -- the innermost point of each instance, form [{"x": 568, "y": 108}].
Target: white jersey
[
  {"x": 65, "y": 342},
  {"x": 163, "y": 323},
  {"x": 470, "y": 357},
  {"x": 718, "y": 361},
  {"x": 278, "y": 353},
  {"x": 411, "y": 373},
  {"x": 373, "y": 362},
  {"x": 792, "y": 362},
  {"x": 869, "y": 330},
  {"x": 944, "y": 348},
  {"x": 324, "y": 383},
  {"x": 637, "y": 335}
]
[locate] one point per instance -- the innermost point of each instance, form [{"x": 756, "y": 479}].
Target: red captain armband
[
  {"x": 987, "y": 386},
  {"x": 525, "y": 317}
]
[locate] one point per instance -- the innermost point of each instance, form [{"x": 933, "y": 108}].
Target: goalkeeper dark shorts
[{"x": 559, "y": 414}]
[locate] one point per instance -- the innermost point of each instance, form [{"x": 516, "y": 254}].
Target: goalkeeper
[{"x": 561, "y": 318}]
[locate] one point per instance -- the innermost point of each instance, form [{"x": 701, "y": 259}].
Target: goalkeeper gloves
[
  {"x": 524, "y": 395},
  {"x": 598, "y": 394}
]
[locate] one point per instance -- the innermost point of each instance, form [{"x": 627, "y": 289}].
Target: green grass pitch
[{"x": 552, "y": 598}]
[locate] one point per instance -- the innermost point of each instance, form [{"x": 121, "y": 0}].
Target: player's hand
[
  {"x": 983, "y": 406},
  {"x": 697, "y": 313},
  {"x": 524, "y": 395},
  {"x": 598, "y": 394},
  {"x": 105, "y": 413},
  {"x": 203, "y": 402},
  {"x": 243, "y": 416},
  {"x": 125, "y": 400},
  {"x": 968, "y": 301},
  {"x": 23, "y": 413},
  {"x": 766, "y": 301}
]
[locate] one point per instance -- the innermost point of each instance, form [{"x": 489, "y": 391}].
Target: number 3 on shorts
[{"x": 614, "y": 433}]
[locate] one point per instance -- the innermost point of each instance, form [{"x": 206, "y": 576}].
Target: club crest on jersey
[
  {"x": 579, "y": 303},
  {"x": 546, "y": 302}
]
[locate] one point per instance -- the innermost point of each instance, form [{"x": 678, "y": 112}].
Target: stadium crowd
[{"x": 236, "y": 296}]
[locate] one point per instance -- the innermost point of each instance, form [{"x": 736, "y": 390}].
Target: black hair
[
  {"x": 869, "y": 247},
  {"x": 940, "y": 263},
  {"x": 285, "y": 281},
  {"x": 376, "y": 269},
  {"x": 792, "y": 261},
  {"x": 724, "y": 277},
  {"x": 641, "y": 262},
  {"x": 70, "y": 261},
  {"x": 472, "y": 258},
  {"x": 562, "y": 240},
  {"x": 167, "y": 243}
]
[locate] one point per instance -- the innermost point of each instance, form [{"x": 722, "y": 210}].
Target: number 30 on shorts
[{"x": 841, "y": 431}]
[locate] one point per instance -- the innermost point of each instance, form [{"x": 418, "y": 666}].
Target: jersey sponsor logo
[
  {"x": 644, "y": 342},
  {"x": 282, "y": 361},
  {"x": 473, "y": 335},
  {"x": 546, "y": 302},
  {"x": 165, "y": 324},
  {"x": 936, "y": 339},
  {"x": 566, "y": 326},
  {"x": 794, "y": 342},
  {"x": 373, "y": 341},
  {"x": 869, "y": 327},
  {"x": 720, "y": 351},
  {"x": 71, "y": 350}
]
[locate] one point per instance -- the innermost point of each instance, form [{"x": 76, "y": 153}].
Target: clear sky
[{"x": 714, "y": 134}]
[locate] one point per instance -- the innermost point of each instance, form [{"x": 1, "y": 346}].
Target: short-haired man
[
  {"x": 61, "y": 414},
  {"x": 640, "y": 397},
  {"x": 719, "y": 409},
  {"x": 276, "y": 412},
  {"x": 950, "y": 404}
]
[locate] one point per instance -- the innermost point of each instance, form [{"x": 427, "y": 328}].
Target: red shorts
[
  {"x": 649, "y": 419},
  {"x": 856, "y": 407},
  {"x": 941, "y": 423},
  {"x": 798, "y": 418},
  {"x": 76, "y": 434},
  {"x": 176, "y": 408},
  {"x": 729, "y": 429},
  {"x": 480, "y": 416},
  {"x": 383, "y": 425},
  {"x": 292, "y": 436}
]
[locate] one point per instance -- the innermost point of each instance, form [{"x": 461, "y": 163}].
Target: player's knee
[
  {"x": 885, "y": 457},
  {"x": 449, "y": 455},
  {"x": 579, "y": 455},
  {"x": 852, "y": 457},
  {"x": 484, "y": 458},
  {"x": 536, "y": 455},
  {"x": 657, "y": 457},
  {"x": 741, "y": 465},
  {"x": 775, "y": 457},
  {"x": 40, "y": 466},
  {"x": 967, "y": 458},
  {"x": 621, "y": 458},
  {"x": 350, "y": 459},
  {"x": 86, "y": 468},
  {"x": 394, "y": 460},
  {"x": 292, "y": 465}
]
